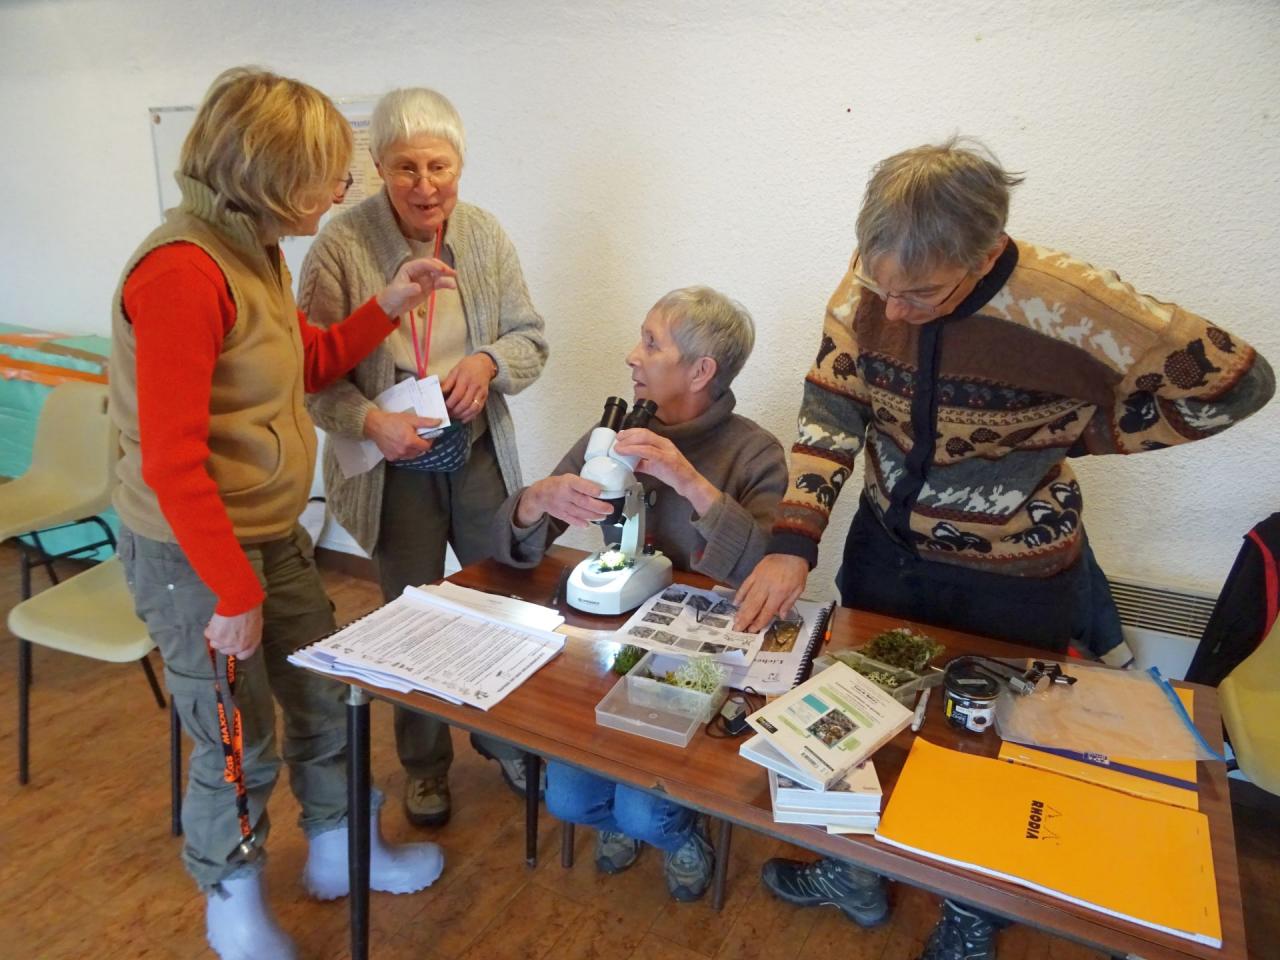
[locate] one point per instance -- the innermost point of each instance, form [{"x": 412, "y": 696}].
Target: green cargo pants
[{"x": 176, "y": 606}]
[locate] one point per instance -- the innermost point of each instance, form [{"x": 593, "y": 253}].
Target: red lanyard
[
  {"x": 229, "y": 726},
  {"x": 423, "y": 354}
]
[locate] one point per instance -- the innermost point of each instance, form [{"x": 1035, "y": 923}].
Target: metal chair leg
[
  {"x": 175, "y": 770},
  {"x": 151, "y": 679},
  {"x": 566, "y": 845},
  {"x": 24, "y": 689},
  {"x": 723, "y": 837},
  {"x": 532, "y": 775}
]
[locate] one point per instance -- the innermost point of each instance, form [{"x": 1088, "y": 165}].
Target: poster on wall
[{"x": 169, "y": 127}]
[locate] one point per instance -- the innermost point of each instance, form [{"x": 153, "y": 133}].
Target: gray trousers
[
  {"x": 422, "y": 512},
  {"x": 176, "y": 606}
]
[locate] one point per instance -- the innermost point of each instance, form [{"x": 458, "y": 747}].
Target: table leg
[
  {"x": 358, "y": 787},
  {"x": 532, "y": 776},
  {"x": 724, "y": 834},
  {"x": 566, "y": 844}
]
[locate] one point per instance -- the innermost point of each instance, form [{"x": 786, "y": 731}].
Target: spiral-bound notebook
[{"x": 786, "y": 655}]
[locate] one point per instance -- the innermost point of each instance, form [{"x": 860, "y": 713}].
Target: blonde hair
[
  {"x": 936, "y": 205},
  {"x": 269, "y": 146}
]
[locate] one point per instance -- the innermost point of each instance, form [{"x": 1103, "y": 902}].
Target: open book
[{"x": 427, "y": 640}]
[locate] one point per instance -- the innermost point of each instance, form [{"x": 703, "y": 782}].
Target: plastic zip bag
[{"x": 1132, "y": 714}]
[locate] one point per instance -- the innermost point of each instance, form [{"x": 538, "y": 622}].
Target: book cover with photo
[{"x": 829, "y": 724}]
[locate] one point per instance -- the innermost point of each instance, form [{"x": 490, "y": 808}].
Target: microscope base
[{"x": 616, "y": 591}]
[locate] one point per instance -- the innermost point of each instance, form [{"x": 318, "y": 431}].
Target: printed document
[
  {"x": 420, "y": 641},
  {"x": 421, "y": 397}
]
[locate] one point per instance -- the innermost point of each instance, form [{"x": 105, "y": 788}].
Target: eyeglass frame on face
[
  {"x": 886, "y": 296},
  {"x": 409, "y": 177},
  {"x": 345, "y": 184}
]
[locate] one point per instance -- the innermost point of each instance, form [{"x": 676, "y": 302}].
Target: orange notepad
[{"x": 1131, "y": 858}]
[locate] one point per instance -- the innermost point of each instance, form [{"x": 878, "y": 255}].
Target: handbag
[{"x": 447, "y": 454}]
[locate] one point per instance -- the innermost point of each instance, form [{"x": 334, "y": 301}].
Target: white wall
[{"x": 631, "y": 148}]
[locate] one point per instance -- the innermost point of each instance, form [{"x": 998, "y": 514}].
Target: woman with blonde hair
[{"x": 210, "y": 362}]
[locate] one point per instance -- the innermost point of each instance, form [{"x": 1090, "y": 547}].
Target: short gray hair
[
  {"x": 411, "y": 112},
  {"x": 706, "y": 323},
  {"x": 936, "y": 205}
]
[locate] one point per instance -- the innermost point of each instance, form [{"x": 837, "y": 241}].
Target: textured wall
[{"x": 630, "y": 149}]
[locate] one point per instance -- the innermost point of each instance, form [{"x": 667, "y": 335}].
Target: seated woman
[
  {"x": 485, "y": 342},
  {"x": 717, "y": 477}
]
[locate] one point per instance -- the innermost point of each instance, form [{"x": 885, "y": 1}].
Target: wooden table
[{"x": 552, "y": 715}]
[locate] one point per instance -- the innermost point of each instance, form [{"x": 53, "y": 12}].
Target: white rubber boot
[
  {"x": 239, "y": 924},
  {"x": 393, "y": 868}
]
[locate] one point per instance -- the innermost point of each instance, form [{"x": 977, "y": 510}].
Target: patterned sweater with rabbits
[{"x": 968, "y": 421}]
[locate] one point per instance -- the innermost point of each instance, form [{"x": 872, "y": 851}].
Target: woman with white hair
[
  {"x": 713, "y": 478},
  {"x": 484, "y": 341}
]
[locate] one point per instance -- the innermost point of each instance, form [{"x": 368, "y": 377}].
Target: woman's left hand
[
  {"x": 466, "y": 388},
  {"x": 659, "y": 458},
  {"x": 413, "y": 283}
]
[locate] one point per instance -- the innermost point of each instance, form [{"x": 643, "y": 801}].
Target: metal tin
[{"x": 971, "y": 691}]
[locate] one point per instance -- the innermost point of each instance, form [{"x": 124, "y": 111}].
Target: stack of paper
[
  {"x": 827, "y": 725},
  {"x": 851, "y": 805},
  {"x": 429, "y": 639}
]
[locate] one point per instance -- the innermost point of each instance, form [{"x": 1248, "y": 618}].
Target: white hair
[
  {"x": 414, "y": 111},
  {"x": 706, "y": 323}
]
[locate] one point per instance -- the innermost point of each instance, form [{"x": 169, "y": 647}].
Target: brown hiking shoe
[{"x": 426, "y": 801}]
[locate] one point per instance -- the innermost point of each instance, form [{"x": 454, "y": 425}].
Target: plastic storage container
[
  {"x": 906, "y": 685},
  {"x": 649, "y": 708}
]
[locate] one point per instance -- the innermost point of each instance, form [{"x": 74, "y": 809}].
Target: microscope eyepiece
[
  {"x": 640, "y": 415},
  {"x": 615, "y": 409}
]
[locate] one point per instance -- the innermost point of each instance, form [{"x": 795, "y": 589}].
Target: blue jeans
[{"x": 580, "y": 797}]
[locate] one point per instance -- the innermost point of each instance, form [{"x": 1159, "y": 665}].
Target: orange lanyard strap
[
  {"x": 422, "y": 354},
  {"x": 232, "y": 742}
]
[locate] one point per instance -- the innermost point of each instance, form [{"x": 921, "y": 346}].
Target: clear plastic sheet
[{"x": 1132, "y": 714}]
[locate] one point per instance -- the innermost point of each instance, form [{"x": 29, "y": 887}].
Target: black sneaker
[
  {"x": 858, "y": 894},
  {"x": 962, "y": 933}
]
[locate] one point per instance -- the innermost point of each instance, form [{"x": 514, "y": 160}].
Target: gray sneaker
[
  {"x": 427, "y": 802},
  {"x": 688, "y": 869},
  {"x": 615, "y": 851},
  {"x": 513, "y": 773}
]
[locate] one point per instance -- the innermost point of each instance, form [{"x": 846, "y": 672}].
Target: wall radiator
[{"x": 1162, "y": 624}]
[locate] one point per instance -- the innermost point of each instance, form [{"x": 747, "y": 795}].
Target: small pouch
[{"x": 447, "y": 454}]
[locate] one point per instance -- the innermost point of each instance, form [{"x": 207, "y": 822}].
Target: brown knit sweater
[
  {"x": 969, "y": 419},
  {"x": 738, "y": 456}
]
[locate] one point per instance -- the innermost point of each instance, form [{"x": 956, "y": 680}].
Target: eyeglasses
[
  {"x": 343, "y": 186},
  {"x": 408, "y": 177},
  {"x": 919, "y": 304}
]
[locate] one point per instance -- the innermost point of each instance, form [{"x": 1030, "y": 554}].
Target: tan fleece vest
[{"x": 262, "y": 444}]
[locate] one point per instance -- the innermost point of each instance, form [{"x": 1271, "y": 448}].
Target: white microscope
[{"x": 627, "y": 573}]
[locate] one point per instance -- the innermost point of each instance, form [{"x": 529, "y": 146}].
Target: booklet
[
  {"x": 786, "y": 656},
  {"x": 421, "y": 397},
  {"x": 691, "y": 622},
  {"x": 423, "y": 641},
  {"x": 830, "y": 723}
]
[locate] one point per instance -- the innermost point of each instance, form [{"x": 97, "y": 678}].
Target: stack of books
[{"x": 815, "y": 742}]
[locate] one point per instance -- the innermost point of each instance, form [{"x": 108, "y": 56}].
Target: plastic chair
[
  {"x": 91, "y": 615},
  {"x": 71, "y": 476},
  {"x": 1250, "y": 697}
]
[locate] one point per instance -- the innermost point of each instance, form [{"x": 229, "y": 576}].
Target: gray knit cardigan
[{"x": 351, "y": 260}]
